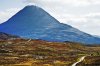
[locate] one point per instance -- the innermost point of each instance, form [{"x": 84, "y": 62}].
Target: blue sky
[{"x": 82, "y": 14}]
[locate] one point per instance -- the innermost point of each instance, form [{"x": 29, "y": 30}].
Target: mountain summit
[{"x": 35, "y": 23}]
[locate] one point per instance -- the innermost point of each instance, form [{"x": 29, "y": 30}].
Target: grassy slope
[{"x": 41, "y": 53}]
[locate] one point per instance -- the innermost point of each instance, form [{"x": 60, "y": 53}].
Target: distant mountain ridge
[
  {"x": 4, "y": 36},
  {"x": 35, "y": 23}
]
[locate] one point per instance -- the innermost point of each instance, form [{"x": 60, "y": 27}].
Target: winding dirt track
[{"x": 80, "y": 60}]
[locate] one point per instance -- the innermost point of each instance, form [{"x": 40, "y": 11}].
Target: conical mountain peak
[
  {"x": 35, "y": 23},
  {"x": 31, "y": 6},
  {"x": 32, "y": 15}
]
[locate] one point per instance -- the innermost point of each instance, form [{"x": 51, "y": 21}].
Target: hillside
[
  {"x": 33, "y": 22},
  {"x": 28, "y": 52}
]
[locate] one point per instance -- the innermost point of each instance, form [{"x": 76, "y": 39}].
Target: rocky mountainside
[{"x": 35, "y": 23}]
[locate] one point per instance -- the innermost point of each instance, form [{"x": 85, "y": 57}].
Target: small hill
[{"x": 5, "y": 36}]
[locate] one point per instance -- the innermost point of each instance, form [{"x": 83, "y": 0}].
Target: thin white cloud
[{"x": 72, "y": 2}]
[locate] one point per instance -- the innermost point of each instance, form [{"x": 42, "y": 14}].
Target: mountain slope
[{"x": 35, "y": 23}]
